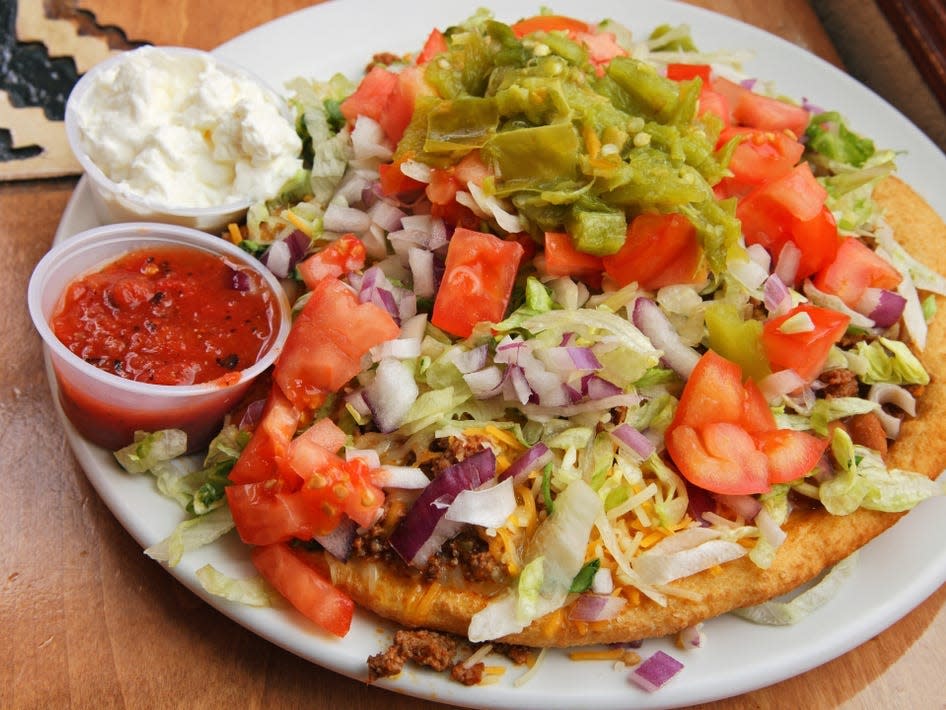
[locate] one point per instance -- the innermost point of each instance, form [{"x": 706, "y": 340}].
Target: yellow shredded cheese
[
  {"x": 297, "y": 222},
  {"x": 234, "y": 231}
]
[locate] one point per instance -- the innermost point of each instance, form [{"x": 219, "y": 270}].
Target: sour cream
[{"x": 176, "y": 128}]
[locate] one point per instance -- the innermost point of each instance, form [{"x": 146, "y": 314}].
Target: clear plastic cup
[{"x": 108, "y": 409}]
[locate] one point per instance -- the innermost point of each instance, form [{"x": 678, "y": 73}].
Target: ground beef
[
  {"x": 866, "y": 430},
  {"x": 520, "y": 655},
  {"x": 469, "y": 552},
  {"x": 426, "y": 648},
  {"x": 384, "y": 59},
  {"x": 471, "y": 675},
  {"x": 839, "y": 383}
]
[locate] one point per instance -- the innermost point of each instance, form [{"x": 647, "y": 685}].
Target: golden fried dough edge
[{"x": 816, "y": 539}]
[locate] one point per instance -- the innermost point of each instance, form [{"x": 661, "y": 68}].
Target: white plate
[{"x": 739, "y": 656}]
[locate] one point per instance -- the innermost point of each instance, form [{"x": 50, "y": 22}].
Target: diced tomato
[
  {"x": 856, "y": 268},
  {"x": 371, "y": 96},
  {"x": 306, "y": 589},
  {"x": 327, "y": 341},
  {"x": 763, "y": 112},
  {"x": 684, "y": 72},
  {"x": 791, "y": 454},
  {"x": 436, "y": 43},
  {"x": 724, "y": 438},
  {"x": 548, "y": 23},
  {"x": 804, "y": 352},
  {"x": 721, "y": 458},
  {"x": 761, "y": 156},
  {"x": 399, "y": 107},
  {"x": 478, "y": 278},
  {"x": 394, "y": 182},
  {"x": 344, "y": 255},
  {"x": 712, "y": 102},
  {"x": 791, "y": 208},
  {"x": 443, "y": 186},
  {"x": 471, "y": 168},
  {"x": 602, "y": 47},
  {"x": 268, "y": 512},
  {"x": 660, "y": 249},
  {"x": 563, "y": 259},
  {"x": 259, "y": 460}
]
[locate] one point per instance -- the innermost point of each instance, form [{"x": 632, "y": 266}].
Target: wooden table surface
[{"x": 86, "y": 620}]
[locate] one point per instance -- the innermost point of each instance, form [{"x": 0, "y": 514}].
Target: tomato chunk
[
  {"x": 803, "y": 351},
  {"x": 548, "y": 23},
  {"x": 435, "y": 44},
  {"x": 760, "y": 156},
  {"x": 477, "y": 282},
  {"x": 344, "y": 255},
  {"x": 660, "y": 250},
  {"x": 327, "y": 341},
  {"x": 724, "y": 438},
  {"x": 856, "y": 268},
  {"x": 259, "y": 460},
  {"x": 679, "y": 71},
  {"x": 305, "y": 588},
  {"x": 563, "y": 259},
  {"x": 371, "y": 96},
  {"x": 763, "y": 112}
]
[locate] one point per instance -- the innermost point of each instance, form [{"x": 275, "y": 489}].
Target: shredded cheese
[
  {"x": 297, "y": 222},
  {"x": 235, "y": 235}
]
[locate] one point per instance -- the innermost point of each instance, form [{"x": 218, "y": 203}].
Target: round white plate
[{"x": 738, "y": 656}]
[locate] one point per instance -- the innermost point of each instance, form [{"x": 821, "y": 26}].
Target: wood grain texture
[{"x": 89, "y": 622}]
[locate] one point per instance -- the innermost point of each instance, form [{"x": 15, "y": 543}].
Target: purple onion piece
[
  {"x": 413, "y": 538},
  {"x": 596, "y": 607},
  {"x": 298, "y": 244},
  {"x": 535, "y": 457},
  {"x": 631, "y": 437},
  {"x": 653, "y": 323},
  {"x": 340, "y": 541},
  {"x": 239, "y": 280},
  {"x": 882, "y": 306},
  {"x": 656, "y": 671}
]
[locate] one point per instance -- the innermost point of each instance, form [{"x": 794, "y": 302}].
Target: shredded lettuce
[
  {"x": 887, "y": 361},
  {"x": 148, "y": 450},
  {"x": 253, "y": 591},
  {"x": 190, "y": 535}
]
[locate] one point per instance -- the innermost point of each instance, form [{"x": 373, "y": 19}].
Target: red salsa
[{"x": 168, "y": 316}]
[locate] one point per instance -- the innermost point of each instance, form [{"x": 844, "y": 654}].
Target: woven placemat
[{"x": 44, "y": 48}]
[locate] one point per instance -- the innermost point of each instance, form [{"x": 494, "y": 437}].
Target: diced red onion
[
  {"x": 416, "y": 170},
  {"x": 778, "y": 384},
  {"x": 490, "y": 205},
  {"x": 748, "y": 83},
  {"x": 488, "y": 507},
  {"x": 882, "y": 306},
  {"x": 631, "y": 437},
  {"x": 596, "y": 607},
  {"x": 652, "y": 322},
  {"x": 602, "y": 582},
  {"x": 399, "y": 349},
  {"x": 810, "y": 107},
  {"x": 699, "y": 501},
  {"x": 338, "y": 218},
  {"x": 770, "y": 530},
  {"x": 340, "y": 541},
  {"x": 778, "y": 299},
  {"x": 595, "y": 387},
  {"x": 829, "y": 300},
  {"x": 414, "y": 327},
  {"x": 521, "y": 390},
  {"x": 414, "y": 537},
  {"x": 368, "y": 140},
  {"x": 299, "y": 244},
  {"x": 744, "y": 505},
  {"x": 438, "y": 234},
  {"x": 468, "y": 361},
  {"x": 390, "y": 394},
  {"x": 691, "y": 636},
  {"x": 386, "y": 215},
  {"x": 789, "y": 259},
  {"x": 485, "y": 383},
  {"x": 252, "y": 414},
  {"x": 239, "y": 280},
  {"x": 375, "y": 241},
  {"x": 534, "y": 458},
  {"x": 570, "y": 358},
  {"x": 278, "y": 258},
  {"x": 371, "y": 193},
  {"x": 369, "y": 456},
  {"x": 655, "y": 672},
  {"x": 404, "y": 477}
]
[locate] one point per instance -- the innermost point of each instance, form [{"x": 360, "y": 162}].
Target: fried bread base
[{"x": 816, "y": 539}]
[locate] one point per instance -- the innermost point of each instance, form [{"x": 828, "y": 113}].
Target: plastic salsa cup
[{"x": 108, "y": 409}]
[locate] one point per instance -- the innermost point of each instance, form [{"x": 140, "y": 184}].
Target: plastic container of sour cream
[{"x": 176, "y": 135}]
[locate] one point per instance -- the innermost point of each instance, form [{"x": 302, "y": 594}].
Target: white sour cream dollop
[{"x": 177, "y": 129}]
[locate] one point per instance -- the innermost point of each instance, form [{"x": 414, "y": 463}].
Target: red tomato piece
[
  {"x": 804, "y": 352},
  {"x": 549, "y": 23},
  {"x": 763, "y": 112},
  {"x": 660, "y": 250},
  {"x": 478, "y": 278},
  {"x": 678, "y": 71},
  {"x": 602, "y": 47},
  {"x": 399, "y": 107},
  {"x": 856, "y": 268},
  {"x": 304, "y": 587},
  {"x": 791, "y": 454},
  {"x": 327, "y": 341},
  {"x": 344, "y": 255},
  {"x": 714, "y": 393},
  {"x": 436, "y": 43},
  {"x": 761, "y": 155},
  {"x": 371, "y": 96},
  {"x": 260, "y": 458},
  {"x": 266, "y": 512},
  {"x": 723, "y": 460},
  {"x": 394, "y": 182},
  {"x": 563, "y": 259},
  {"x": 757, "y": 417},
  {"x": 712, "y": 102}
]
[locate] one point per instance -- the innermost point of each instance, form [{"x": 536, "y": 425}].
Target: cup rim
[
  {"x": 98, "y": 176},
  {"x": 140, "y": 232}
]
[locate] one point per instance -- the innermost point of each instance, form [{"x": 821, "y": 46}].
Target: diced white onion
[{"x": 405, "y": 477}]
